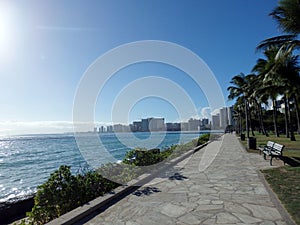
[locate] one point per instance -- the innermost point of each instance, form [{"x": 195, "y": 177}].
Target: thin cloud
[
  {"x": 62, "y": 28},
  {"x": 42, "y": 127},
  {"x": 206, "y": 112}
]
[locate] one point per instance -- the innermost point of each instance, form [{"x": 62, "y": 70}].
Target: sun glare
[
  {"x": 6, "y": 36},
  {"x": 1, "y": 31}
]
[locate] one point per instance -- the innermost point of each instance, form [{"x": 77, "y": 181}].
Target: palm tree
[
  {"x": 287, "y": 15},
  {"x": 238, "y": 109},
  {"x": 288, "y": 71},
  {"x": 267, "y": 88},
  {"x": 240, "y": 89},
  {"x": 280, "y": 70},
  {"x": 282, "y": 75},
  {"x": 259, "y": 98},
  {"x": 251, "y": 80}
]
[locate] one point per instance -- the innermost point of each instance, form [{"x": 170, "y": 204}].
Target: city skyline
[{"x": 156, "y": 124}]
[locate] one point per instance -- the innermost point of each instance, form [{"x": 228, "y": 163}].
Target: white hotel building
[{"x": 223, "y": 118}]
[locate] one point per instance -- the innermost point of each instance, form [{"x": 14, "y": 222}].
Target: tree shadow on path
[
  {"x": 178, "y": 176},
  {"x": 146, "y": 191}
]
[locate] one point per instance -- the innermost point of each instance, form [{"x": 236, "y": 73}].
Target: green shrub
[
  {"x": 63, "y": 192},
  {"x": 203, "y": 139},
  {"x": 122, "y": 173},
  {"x": 143, "y": 157}
]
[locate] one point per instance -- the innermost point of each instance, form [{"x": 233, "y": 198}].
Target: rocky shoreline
[{"x": 15, "y": 209}]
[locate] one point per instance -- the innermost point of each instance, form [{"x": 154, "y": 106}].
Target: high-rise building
[
  {"x": 153, "y": 124},
  {"x": 101, "y": 129},
  {"x": 156, "y": 124},
  {"x": 205, "y": 122},
  {"x": 223, "y": 118},
  {"x": 184, "y": 126},
  {"x": 215, "y": 121},
  {"x": 145, "y": 125},
  {"x": 109, "y": 129},
  {"x": 194, "y": 124},
  {"x": 136, "y": 126},
  {"x": 230, "y": 115},
  {"x": 173, "y": 126},
  {"x": 118, "y": 128}
]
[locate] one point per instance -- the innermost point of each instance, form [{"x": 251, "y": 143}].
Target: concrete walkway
[{"x": 229, "y": 191}]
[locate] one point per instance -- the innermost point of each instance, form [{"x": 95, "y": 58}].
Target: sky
[{"x": 47, "y": 48}]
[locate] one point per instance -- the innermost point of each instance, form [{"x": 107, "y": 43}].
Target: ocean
[{"x": 27, "y": 161}]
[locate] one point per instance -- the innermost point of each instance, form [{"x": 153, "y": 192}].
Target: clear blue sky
[{"x": 46, "y": 46}]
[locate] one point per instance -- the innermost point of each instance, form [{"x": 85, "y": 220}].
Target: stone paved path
[{"x": 229, "y": 191}]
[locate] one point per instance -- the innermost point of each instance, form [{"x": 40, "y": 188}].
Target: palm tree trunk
[
  {"x": 247, "y": 118},
  {"x": 241, "y": 123},
  {"x": 238, "y": 124},
  {"x": 297, "y": 113},
  {"x": 251, "y": 123},
  {"x": 260, "y": 114},
  {"x": 257, "y": 114},
  {"x": 286, "y": 118},
  {"x": 290, "y": 122},
  {"x": 275, "y": 118},
  {"x": 260, "y": 119}
]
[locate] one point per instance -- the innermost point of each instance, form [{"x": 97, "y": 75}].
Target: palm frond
[
  {"x": 287, "y": 15},
  {"x": 273, "y": 42}
]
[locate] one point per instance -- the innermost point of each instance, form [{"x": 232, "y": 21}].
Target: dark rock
[{"x": 15, "y": 209}]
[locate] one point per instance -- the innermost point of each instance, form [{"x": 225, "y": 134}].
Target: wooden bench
[{"x": 272, "y": 149}]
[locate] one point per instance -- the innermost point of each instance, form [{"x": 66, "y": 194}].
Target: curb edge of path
[
  {"x": 273, "y": 196},
  {"x": 276, "y": 201}
]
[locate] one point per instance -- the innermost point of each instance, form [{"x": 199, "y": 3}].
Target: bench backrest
[
  {"x": 278, "y": 148},
  {"x": 270, "y": 144}
]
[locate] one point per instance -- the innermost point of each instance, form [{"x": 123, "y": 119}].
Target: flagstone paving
[{"x": 228, "y": 191}]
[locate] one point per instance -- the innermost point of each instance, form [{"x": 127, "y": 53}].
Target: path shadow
[
  {"x": 166, "y": 173},
  {"x": 146, "y": 191},
  {"x": 178, "y": 176},
  {"x": 292, "y": 161}
]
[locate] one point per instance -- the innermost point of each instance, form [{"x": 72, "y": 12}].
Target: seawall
[{"x": 15, "y": 209}]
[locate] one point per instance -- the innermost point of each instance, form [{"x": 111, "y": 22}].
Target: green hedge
[
  {"x": 203, "y": 139},
  {"x": 151, "y": 157},
  {"x": 63, "y": 192}
]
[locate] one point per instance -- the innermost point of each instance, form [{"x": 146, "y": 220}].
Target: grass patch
[
  {"x": 291, "y": 149},
  {"x": 285, "y": 181}
]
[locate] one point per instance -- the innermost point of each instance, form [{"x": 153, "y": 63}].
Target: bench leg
[
  {"x": 271, "y": 160},
  {"x": 265, "y": 156}
]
